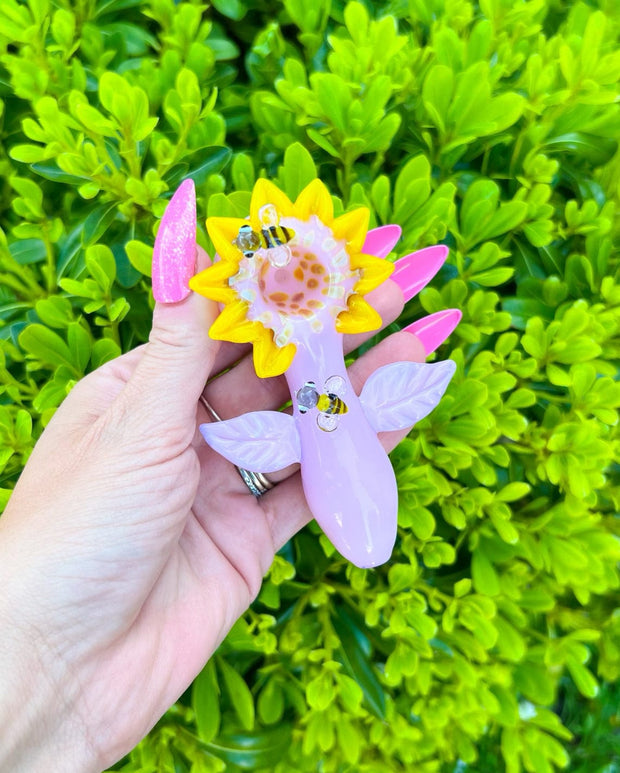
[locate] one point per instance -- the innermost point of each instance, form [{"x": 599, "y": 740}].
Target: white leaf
[
  {"x": 400, "y": 394},
  {"x": 263, "y": 441}
]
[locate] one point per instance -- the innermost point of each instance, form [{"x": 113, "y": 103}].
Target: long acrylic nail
[
  {"x": 414, "y": 271},
  {"x": 379, "y": 241},
  {"x": 434, "y": 329},
  {"x": 174, "y": 254}
]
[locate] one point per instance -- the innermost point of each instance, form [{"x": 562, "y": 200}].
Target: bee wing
[
  {"x": 328, "y": 421},
  {"x": 336, "y": 385},
  {"x": 279, "y": 256},
  {"x": 268, "y": 215}
]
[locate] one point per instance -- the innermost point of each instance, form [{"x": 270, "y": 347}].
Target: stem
[{"x": 50, "y": 264}]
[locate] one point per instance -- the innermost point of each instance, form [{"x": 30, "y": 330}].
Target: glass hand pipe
[{"x": 291, "y": 280}]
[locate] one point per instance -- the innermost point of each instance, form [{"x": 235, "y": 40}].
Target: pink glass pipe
[{"x": 347, "y": 477}]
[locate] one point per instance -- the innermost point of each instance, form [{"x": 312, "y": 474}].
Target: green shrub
[{"x": 491, "y": 127}]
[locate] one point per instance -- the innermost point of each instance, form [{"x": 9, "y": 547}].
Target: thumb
[
  {"x": 179, "y": 356},
  {"x": 177, "y": 360}
]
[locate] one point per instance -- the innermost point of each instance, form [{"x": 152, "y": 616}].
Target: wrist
[{"x": 38, "y": 692}]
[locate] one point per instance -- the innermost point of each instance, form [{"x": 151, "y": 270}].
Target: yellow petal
[
  {"x": 213, "y": 282},
  {"x": 269, "y": 359},
  {"x": 265, "y": 192},
  {"x": 360, "y": 317},
  {"x": 374, "y": 271},
  {"x": 315, "y": 200},
  {"x": 233, "y": 325},
  {"x": 352, "y": 227},
  {"x": 223, "y": 232}
]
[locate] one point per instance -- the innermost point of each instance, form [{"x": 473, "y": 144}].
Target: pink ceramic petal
[{"x": 379, "y": 241}]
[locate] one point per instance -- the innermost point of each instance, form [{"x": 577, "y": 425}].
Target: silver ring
[{"x": 257, "y": 483}]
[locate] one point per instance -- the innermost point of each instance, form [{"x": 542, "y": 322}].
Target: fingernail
[
  {"x": 379, "y": 241},
  {"x": 174, "y": 254},
  {"x": 414, "y": 271},
  {"x": 434, "y": 329}
]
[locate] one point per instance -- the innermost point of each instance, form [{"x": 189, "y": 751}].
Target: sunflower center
[
  {"x": 311, "y": 288},
  {"x": 298, "y": 289}
]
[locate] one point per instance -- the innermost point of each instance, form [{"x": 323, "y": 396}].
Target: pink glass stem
[{"x": 347, "y": 476}]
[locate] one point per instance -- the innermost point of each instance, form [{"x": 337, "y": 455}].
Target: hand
[{"x": 129, "y": 548}]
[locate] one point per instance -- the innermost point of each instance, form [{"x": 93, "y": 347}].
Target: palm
[{"x": 198, "y": 570}]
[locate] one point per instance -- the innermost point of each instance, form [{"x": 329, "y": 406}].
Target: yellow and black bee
[
  {"x": 268, "y": 238},
  {"x": 329, "y": 404}
]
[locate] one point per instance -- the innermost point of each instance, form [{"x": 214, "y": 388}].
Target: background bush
[{"x": 491, "y": 641}]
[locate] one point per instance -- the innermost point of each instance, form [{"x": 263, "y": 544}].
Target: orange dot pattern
[{"x": 307, "y": 272}]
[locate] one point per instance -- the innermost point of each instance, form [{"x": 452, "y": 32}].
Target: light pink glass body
[{"x": 347, "y": 476}]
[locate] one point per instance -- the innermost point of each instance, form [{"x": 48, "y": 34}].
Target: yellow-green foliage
[{"x": 490, "y": 126}]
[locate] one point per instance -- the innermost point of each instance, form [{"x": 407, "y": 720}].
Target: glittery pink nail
[
  {"x": 174, "y": 254},
  {"x": 434, "y": 329}
]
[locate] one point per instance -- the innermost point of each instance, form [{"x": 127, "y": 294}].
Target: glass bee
[
  {"x": 272, "y": 237},
  {"x": 329, "y": 404}
]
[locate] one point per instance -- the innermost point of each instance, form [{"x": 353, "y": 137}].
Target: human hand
[{"x": 129, "y": 548}]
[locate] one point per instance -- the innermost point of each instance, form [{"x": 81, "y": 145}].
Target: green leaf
[
  {"x": 47, "y": 347},
  {"x": 584, "y": 681},
  {"x": 95, "y": 121},
  {"x": 28, "y": 154},
  {"x": 270, "y": 703},
  {"x": 54, "y": 311},
  {"x": 507, "y": 218},
  {"x": 322, "y": 141},
  {"x": 437, "y": 94},
  {"x": 101, "y": 266},
  {"x": 242, "y": 172},
  {"x": 509, "y": 642},
  {"x": 98, "y": 222},
  {"x": 297, "y": 171},
  {"x": 206, "y": 161},
  {"x": 513, "y": 491},
  {"x": 51, "y": 171},
  {"x": 483, "y": 573},
  {"x": 422, "y": 522},
  {"x": 239, "y": 693},
  {"x": 4, "y": 497},
  {"x": 320, "y": 692},
  {"x": 493, "y": 277},
  {"x": 594, "y": 148},
  {"x": 79, "y": 345},
  {"x": 205, "y": 702},
  {"x": 103, "y": 351},
  {"x": 252, "y": 751},
  {"x": 233, "y": 9},
  {"x": 28, "y": 251},
  {"x": 23, "y": 427},
  {"x": 355, "y": 656}
]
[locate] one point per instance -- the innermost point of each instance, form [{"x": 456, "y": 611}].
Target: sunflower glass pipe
[{"x": 292, "y": 279}]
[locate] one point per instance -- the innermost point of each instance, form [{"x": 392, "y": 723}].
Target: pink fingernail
[
  {"x": 414, "y": 271},
  {"x": 379, "y": 241},
  {"x": 434, "y": 329},
  {"x": 174, "y": 254}
]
